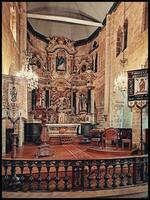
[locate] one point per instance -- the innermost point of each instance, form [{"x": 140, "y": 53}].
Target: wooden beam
[{"x": 64, "y": 19}]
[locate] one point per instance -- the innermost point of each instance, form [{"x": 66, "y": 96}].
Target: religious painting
[
  {"x": 138, "y": 85},
  {"x": 61, "y": 61},
  {"x": 141, "y": 85}
]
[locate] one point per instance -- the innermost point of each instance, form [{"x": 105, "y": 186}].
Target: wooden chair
[{"x": 110, "y": 134}]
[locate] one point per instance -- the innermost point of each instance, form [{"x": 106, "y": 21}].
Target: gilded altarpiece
[{"x": 65, "y": 91}]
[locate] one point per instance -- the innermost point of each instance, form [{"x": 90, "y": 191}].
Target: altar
[{"x": 63, "y": 133}]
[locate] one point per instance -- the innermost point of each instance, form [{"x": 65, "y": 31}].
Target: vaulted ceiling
[{"x": 74, "y": 20}]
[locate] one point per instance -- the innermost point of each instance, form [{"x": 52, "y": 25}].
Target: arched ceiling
[{"x": 68, "y": 19}]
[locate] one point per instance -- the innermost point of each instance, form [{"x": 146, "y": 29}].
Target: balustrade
[{"x": 65, "y": 175}]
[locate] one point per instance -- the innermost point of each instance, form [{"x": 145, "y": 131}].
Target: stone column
[
  {"x": 92, "y": 106},
  {"x": 77, "y": 102},
  {"x": 21, "y": 132},
  {"x": 107, "y": 74},
  {"x": 3, "y": 137},
  {"x": 72, "y": 102},
  {"x": 92, "y": 101}
]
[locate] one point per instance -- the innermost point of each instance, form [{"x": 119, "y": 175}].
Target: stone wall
[
  {"x": 136, "y": 54},
  {"x": 12, "y": 60},
  {"x": 12, "y": 51}
]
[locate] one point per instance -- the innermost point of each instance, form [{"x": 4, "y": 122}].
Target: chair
[
  {"x": 125, "y": 137},
  {"x": 126, "y": 141},
  {"x": 111, "y": 134}
]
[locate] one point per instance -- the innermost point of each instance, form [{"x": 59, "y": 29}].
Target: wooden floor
[
  {"x": 130, "y": 192},
  {"x": 70, "y": 152}
]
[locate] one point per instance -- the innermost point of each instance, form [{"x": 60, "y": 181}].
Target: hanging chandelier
[{"x": 27, "y": 72}]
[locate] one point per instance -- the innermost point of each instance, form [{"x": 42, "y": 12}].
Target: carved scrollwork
[{"x": 60, "y": 42}]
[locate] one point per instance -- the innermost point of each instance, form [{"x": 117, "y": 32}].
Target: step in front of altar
[{"x": 61, "y": 138}]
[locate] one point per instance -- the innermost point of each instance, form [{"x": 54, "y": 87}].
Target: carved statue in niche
[
  {"x": 61, "y": 61},
  {"x": 38, "y": 97},
  {"x": 82, "y": 102},
  {"x": 43, "y": 99}
]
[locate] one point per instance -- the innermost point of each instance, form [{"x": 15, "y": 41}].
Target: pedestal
[
  {"x": 13, "y": 152},
  {"x": 4, "y": 137}
]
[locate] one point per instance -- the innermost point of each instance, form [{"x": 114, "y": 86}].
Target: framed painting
[{"x": 61, "y": 61}]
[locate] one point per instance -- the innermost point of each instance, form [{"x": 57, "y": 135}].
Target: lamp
[{"x": 27, "y": 72}]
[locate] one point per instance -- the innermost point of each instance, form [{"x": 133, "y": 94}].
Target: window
[
  {"x": 96, "y": 62},
  {"x": 13, "y": 21},
  {"x": 119, "y": 41},
  {"x": 145, "y": 17},
  {"x": 125, "y": 34}
]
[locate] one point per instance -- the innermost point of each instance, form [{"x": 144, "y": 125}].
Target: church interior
[{"x": 74, "y": 98}]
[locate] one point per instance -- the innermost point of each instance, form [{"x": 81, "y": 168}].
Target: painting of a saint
[
  {"x": 61, "y": 61},
  {"x": 141, "y": 85}
]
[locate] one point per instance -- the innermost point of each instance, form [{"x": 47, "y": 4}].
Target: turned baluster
[
  {"x": 78, "y": 175},
  {"x": 106, "y": 177},
  {"x": 142, "y": 169},
  {"x": 65, "y": 178},
  {"x": 146, "y": 170},
  {"x": 73, "y": 164},
  {"x": 134, "y": 171},
  {"x": 82, "y": 174},
  {"x": 98, "y": 178},
  {"x": 6, "y": 177},
  {"x": 48, "y": 178},
  {"x": 22, "y": 178},
  {"x": 114, "y": 176},
  {"x": 30, "y": 166},
  {"x": 39, "y": 179},
  {"x": 57, "y": 176},
  {"x": 13, "y": 174},
  {"x": 129, "y": 176},
  {"x": 90, "y": 174},
  {"x": 121, "y": 173}
]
